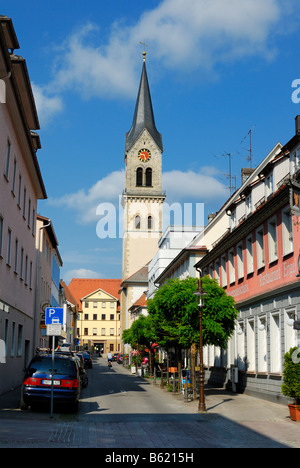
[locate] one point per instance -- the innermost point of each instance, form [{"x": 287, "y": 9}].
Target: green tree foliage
[
  {"x": 140, "y": 333},
  {"x": 291, "y": 375},
  {"x": 175, "y": 313}
]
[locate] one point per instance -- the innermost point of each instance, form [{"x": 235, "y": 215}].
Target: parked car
[
  {"x": 87, "y": 359},
  {"x": 115, "y": 356},
  {"x": 36, "y": 387},
  {"x": 82, "y": 372},
  {"x": 120, "y": 358}
]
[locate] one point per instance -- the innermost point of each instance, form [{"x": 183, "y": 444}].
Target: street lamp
[{"x": 200, "y": 292}]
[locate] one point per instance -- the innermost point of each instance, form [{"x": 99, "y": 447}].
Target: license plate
[{"x": 48, "y": 382}]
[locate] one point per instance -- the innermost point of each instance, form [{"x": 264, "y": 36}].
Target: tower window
[
  {"x": 139, "y": 177},
  {"x": 150, "y": 222},
  {"x": 137, "y": 222},
  {"x": 148, "y": 177}
]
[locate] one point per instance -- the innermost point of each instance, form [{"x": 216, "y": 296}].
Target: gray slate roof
[{"x": 143, "y": 116}]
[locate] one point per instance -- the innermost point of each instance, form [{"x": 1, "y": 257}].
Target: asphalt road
[{"x": 126, "y": 415}]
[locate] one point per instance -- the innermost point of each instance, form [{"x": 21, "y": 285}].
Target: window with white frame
[
  {"x": 269, "y": 185},
  {"x": 20, "y": 340},
  {"x": 240, "y": 337},
  {"x": 30, "y": 275},
  {"x": 7, "y": 160},
  {"x": 248, "y": 204},
  {"x": 249, "y": 254},
  {"x": 262, "y": 344},
  {"x": 272, "y": 240},
  {"x": 275, "y": 346},
  {"x": 13, "y": 185},
  {"x": 16, "y": 255},
  {"x": 217, "y": 270},
  {"x": 19, "y": 191},
  {"x": 260, "y": 251},
  {"x": 290, "y": 335},
  {"x": 103, "y": 331},
  {"x": 21, "y": 262},
  {"x": 13, "y": 339},
  {"x": 240, "y": 261},
  {"x": 250, "y": 346},
  {"x": 231, "y": 266},
  {"x": 294, "y": 162},
  {"x": 223, "y": 270},
  {"x": 287, "y": 232},
  {"x": 94, "y": 331},
  {"x": 233, "y": 219},
  {"x": 211, "y": 271},
  {"x": 8, "y": 247}
]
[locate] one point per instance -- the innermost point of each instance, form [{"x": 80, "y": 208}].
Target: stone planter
[{"x": 133, "y": 369}]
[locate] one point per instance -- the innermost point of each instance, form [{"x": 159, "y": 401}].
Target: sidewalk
[{"x": 260, "y": 416}]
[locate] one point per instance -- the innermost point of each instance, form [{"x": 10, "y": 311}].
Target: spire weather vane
[{"x": 144, "y": 51}]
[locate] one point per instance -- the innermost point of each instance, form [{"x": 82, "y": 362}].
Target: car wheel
[{"x": 23, "y": 406}]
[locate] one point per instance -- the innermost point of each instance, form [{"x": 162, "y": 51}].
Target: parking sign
[{"x": 54, "y": 316}]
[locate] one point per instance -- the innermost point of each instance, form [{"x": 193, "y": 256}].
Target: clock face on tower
[{"x": 144, "y": 155}]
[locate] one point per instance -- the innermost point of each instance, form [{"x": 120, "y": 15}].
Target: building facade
[
  {"x": 98, "y": 319},
  {"x": 21, "y": 186},
  {"x": 257, "y": 262}
]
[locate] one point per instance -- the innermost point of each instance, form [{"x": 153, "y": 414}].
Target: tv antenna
[
  {"x": 229, "y": 175},
  {"x": 250, "y": 157}
]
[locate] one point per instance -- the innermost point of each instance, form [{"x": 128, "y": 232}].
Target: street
[{"x": 121, "y": 412}]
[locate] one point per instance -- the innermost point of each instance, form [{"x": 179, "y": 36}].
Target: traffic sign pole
[{"x": 52, "y": 376}]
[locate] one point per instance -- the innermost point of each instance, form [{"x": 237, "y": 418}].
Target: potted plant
[
  {"x": 291, "y": 381},
  {"x": 136, "y": 359}
]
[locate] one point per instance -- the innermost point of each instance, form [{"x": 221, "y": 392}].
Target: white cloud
[
  {"x": 182, "y": 35},
  {"x": 80, "y": 273},
  {"x": 47, "y": 106},
  {"x": 180, "y": 186},
  {"x": 85, "y": 202},
  {"x": 200, "y": 186}
]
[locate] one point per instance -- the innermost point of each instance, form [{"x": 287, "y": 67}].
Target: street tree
[
  {"x": 175, "y": 313},
  {"x": 140, "y": 335}
]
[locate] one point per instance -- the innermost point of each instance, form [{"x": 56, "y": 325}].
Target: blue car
[{"x": 36, "y": 387}]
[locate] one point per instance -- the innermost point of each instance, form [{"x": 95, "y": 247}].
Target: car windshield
[{"x": 43, "y": 365}]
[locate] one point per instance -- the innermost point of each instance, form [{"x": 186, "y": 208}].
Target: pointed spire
[{"x": 143, "y": 114}]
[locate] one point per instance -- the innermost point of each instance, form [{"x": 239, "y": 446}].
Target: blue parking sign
[{"x": 54, "y": 315}]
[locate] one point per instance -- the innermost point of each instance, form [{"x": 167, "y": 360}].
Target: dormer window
[
  {"x": 233, "y": 219},
  {"x": 248, "y": 204},
  {"x": 269, "y": 185}
]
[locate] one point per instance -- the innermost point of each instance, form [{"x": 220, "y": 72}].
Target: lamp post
[{"x": 200, "y": 292}]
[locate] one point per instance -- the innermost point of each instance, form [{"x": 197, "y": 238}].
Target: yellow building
[{"x": 98, "y": 323}]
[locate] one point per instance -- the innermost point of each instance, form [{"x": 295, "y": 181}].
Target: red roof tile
[{"x": 82, "y": 287}]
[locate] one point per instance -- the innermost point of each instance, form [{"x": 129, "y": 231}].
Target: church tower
[{"x": 142, "y": 198}]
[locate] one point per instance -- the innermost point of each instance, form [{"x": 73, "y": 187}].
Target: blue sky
[{"x": 216, "y": 69}]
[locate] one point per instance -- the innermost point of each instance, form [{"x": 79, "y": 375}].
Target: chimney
[
  {"x": 297, "y": 124},
  {"x": 246, "y": 173},
  {"x": 211, "y": 216}
]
